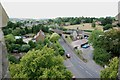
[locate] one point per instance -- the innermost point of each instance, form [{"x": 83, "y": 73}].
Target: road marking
[
  {"x": 88, "y": 73},
  {"x": 81, "y": 67}
]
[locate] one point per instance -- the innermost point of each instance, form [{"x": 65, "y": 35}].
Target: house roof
[{"x": 40, "y": 32}]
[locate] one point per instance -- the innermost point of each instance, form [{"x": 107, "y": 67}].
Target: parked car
[
  {"x": 85, "y": 46},
  {"x": 68, "y": 55},
  {"x": 73, "y": 78}
]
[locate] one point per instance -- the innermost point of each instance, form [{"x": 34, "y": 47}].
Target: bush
[
  {"x": 32, "y": 44},
  {"x": 25, "y": 48},
  {"x": 93, "y": 24},
  {"x": 101, "y": 56},
  {"x": 107, "y": 26},
  {"x": 12, "y": 59},
  {"x": 14, "y": 47},
  {"x": 61, "y": 51}
]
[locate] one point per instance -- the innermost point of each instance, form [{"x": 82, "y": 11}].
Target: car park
[{"x": 85, "y": 46}]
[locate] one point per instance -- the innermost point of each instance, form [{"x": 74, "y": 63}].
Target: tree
[
  {"x": 107, "y": 20},
  {"x": 12, "y": 59},
  {"x": 26, "y": 30},
  {"x": 61, "y": 51},
  {"x": 112, "y": 41},
  {"x": 93, "y": 39},
  {"x": 107, "y": 26},
  {"x": 32, "y": 44},
  {"x": 111, "y": 71},
  {"x": 12, "y": 47},
  {"x": 93, "y": 24},
  {"x": 101, "y": 56},
  {"x": 54, "y": 37},
  {"x": 19, "y": 41},
  {"x": 25, "y": 48},
  {"x": 16, "y": 32},
  {"x": 40, "y": 64},
  {"x": 9, "y": 38}
]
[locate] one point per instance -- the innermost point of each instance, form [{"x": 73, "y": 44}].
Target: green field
[{"x": 85, "y": 26}]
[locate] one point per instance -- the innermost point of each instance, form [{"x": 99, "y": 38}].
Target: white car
[{"x": 68, "y": 55}]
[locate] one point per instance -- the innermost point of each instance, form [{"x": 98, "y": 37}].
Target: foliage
[
  {"x": 14, "y": 47},
  {"x": 112, "y": 70},
  {"x": 9, "y": 38},
  {"x": 54, "y": 37},
  {"x": 94, "y": 37},
  {"x": 107, "y": 42},
  {"x": 12, "y": 59},
  {"x": 40, "y": 64},
  {"x": 93, "y": 24},
  {"x": 61, "y": 51},
  {"x": 25, "y": 48},
  {"x": 32, "y": 44},
  {"x": 107, "y": 26},
  {"x": 101, "y": 56},
  {"x": 107, "y": 20},
  {"x": 19, "y": 41}
]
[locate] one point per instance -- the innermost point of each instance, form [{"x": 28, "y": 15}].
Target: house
[
  {"x": 74, "y": 34},
  {"x": 40, "y": 36},
  {"x": 98, "y": 23},
  {"x": 80, "y": 33}
]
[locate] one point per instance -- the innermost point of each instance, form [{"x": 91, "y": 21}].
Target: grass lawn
[
  {"x": 84, "y": 26},
  {"x": 78, "y": 53}
]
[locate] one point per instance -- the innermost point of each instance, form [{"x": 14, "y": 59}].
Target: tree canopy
[
  {"x": 40, "y": 64},
  {"x": 54, "y": 37},
  {"x": 112, "y": 70}
]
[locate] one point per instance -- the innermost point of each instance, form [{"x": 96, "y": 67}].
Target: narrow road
[{"x": 76, "y": 65}]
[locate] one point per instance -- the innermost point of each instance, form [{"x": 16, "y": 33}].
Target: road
[{"x": 76, "y": 65}]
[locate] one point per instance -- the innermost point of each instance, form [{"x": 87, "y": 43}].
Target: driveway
[
  {"x": 78, "y": 43},
  {"x": 78, "y": 67}
]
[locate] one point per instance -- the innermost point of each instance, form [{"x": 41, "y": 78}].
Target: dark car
[{"x": 68, "y": 55}]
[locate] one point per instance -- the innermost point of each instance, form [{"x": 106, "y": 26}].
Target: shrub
[
  {"x": 61, "y": 51},
  {"x": 25, "y": 48},
  {"x": 107, "y": 26},
  {"x": 12, "y": 59},
  {"x": 101, "y": 56}
]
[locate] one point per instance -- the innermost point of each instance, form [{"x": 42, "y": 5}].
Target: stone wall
[{"x": 4, "y": 72}]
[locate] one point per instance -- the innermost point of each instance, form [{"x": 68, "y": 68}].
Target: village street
[{"x": 78, "y": 67}]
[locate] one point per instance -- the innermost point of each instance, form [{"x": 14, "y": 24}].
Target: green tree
[
  {"x": 40, "y": 64},
  {"x": 26, "y": 30},
  {"x": 101, "y": 56},
  {"x": 111, "y": 71},
  {"x": 93, "y": 39},
  {"x": 107, "y": 26},
  {"x": 32, "y": 44},
  {"x": 12, "y": 59},
  {"x": 54, "y": 37},
  {"x": 107, "y": 20},
  {"x": 25, "y": 48},
  {"x": 14, "y": 47},
  {"x": 19, "y": 41},
  {"x": 93, "y": 24},
  {"x": 16, "y": 32},
  {"x": 9, "y": 38}
]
